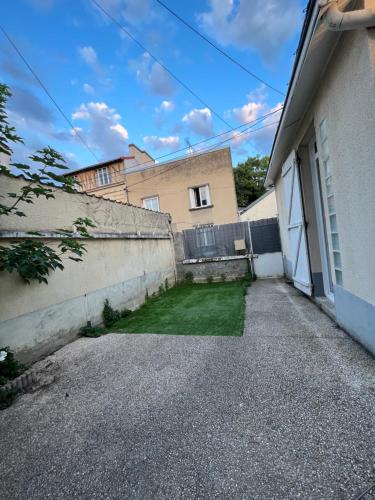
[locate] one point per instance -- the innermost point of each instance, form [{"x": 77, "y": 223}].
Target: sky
[{"x": 114, "y": 93}]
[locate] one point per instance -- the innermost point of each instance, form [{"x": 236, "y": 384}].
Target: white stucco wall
[
  {"x": 346, "y": 99},
  {"x": 37, "y": 318},
  {"x": 265, "y": 208}
]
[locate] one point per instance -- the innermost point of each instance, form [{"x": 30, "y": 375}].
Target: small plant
[
  {"x": 110, "y": 315},
  {"x": 209, "y": 279},
  {"x": 166, "y": 284},
  {"x": 91, "y": 331},
  {"x": 223, "y": 277},
  {"x": 125, "y": 313},
  {"x": 10, "y": 368},
  {"x": 188, "y": 278},
  {"x": 7, "y": 396},
  {"x": 161, "y": 289},
  {"x": 146, "y": 295}
]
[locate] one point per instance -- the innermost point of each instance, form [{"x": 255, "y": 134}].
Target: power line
[
  {"x": 254, "y": 122},
  {"x": 246, "y": 131},
  {"x": 47, "y": 92},
  {"x": 186, "y": 87},
  {"x": 225, "y": 54}
]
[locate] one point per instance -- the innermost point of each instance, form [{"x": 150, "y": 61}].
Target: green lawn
[{"x": 191, "y": 309}]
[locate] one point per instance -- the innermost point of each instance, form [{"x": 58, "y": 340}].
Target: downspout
[{"x": 336, "y": 20}]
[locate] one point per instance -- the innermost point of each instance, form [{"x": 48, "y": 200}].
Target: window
[
  {"x": 205, "y": 237},
  {"x": 103, "y": 176},
  {"x": 331, "y": 205},
  {"x": 199, "y": 197},
  {"x": 152, "y": 203}
]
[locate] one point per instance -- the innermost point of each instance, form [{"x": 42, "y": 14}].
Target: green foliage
[
  {"x": 209, "y": 279},
  {"x": 161, "y": 289},
  {"x": 33, "y": 260},
  {"x": 188, "y": 278},
  {"x": 223, "y": 277},
  {"x": 91, "y": 331},
  {"x": 7, "y": 396},
  {"x": 10, "y": 368},
  {"x": 166, "y": 284},
  {"x": 110, "y": 315},
  {"x": 124, "y": 313},
  {"x": 249, "y": 178}
]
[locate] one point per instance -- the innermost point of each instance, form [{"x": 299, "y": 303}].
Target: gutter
[{"x": 336, "y": 20}]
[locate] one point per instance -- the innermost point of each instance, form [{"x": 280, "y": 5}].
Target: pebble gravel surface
[{"x": 285, "y": 412}]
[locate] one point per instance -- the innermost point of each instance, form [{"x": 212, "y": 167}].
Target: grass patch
[{"x": 191, "y": 309}]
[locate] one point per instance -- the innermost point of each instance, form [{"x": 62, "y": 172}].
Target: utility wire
[
  {"x": 225, "y": 54},
  {"x": 254, "y": 122},
  {"x": 182, "y": 162},
  {"x": 48, "y": 93},
  {"x": 175, "y": 77}
]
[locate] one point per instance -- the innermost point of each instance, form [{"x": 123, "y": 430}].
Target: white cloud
[
  {"x": 153, "y": 76},
  {"x": 248, "y": 112},
  {"x": 153, "y": 141},
  {"x": 199, "y": 121},
  {"x": 90, "y": 57},
  {"x": 263, "y": 25},
  {"x": 132, "y": 11},
  {"x": 89, "y": 89},
  {"x": 105, "y": 132},
  {"x": 166, "y": 106}
]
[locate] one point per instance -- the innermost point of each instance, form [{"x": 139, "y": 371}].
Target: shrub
[
  {"x": 166, "y": 284},
  {"x": 10, "y": 368},
  {"x": 91, "y": 331},
  {"x": 110, "y": 315},
  {"x": 188, "y": 277},
  {"x": 209, "y": 279},
  {"x": 124, "y": 313},
  {"x": 7, "y": 396},
  {"x": 161, "y": 289}
]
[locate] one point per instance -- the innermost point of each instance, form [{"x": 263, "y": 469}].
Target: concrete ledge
[
  {"x": 96, "y": 236},
  {"x": 215, "y": 259}
]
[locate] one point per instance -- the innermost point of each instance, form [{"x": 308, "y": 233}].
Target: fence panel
[{"x": 218, "y": 241}]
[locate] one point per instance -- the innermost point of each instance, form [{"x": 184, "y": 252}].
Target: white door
[{"x": 296, "y": 226}]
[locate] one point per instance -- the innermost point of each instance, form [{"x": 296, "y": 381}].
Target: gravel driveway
[{"x": 284, "y": 412}]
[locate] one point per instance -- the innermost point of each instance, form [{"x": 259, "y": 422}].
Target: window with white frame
[
  {"x": 331, "y": 205},
  {"x": 103, "y": 176},
  {"x": 199, "y": 196},
  {"x": 205, "y": 236},
  {"x": 152, "y": 203}
]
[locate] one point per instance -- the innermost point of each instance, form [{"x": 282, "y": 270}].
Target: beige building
[
  {"x": 264, "y": 207},
  {"x": 323, "y": 164},
  {"x": 195, "y": 190}
]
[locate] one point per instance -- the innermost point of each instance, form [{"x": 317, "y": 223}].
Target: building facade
[
  {"x": 323, "y": 164},
  {"x": 264, "y": 207},
  {"x": 195, "y": 190}
]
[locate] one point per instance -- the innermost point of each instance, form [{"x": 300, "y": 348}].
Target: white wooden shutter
[{"x": 296, "y": 226}]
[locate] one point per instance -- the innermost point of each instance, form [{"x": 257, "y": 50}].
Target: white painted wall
[
  {"x": 269, "y": 265},
  {"x": 346, "y": 99},
  {"x": 37, "y": 318}
]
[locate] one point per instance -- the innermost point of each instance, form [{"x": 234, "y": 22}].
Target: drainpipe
[{"x": 336, "y": 20}]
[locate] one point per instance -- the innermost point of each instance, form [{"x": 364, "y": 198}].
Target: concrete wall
[
  {"x": 171, "y": 181},
  {"x": 346, "y": 100},
  {"x": 269, "y": 265},
  {"x": 132, "y": 251},
  {"x": 263, "y": 208},
  {"x": 230, "y": 267}
]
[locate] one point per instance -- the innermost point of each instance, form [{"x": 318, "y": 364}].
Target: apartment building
[{"x": 196, "y": 190}]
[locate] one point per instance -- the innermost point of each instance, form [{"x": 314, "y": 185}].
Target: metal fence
[{"x": 260, "y": 236}]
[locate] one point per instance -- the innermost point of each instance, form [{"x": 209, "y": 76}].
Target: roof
[
  {"x": 264, "y": 195},
  {"x": 314, "y": 50},
  {"x": 101, "y": 164}
]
